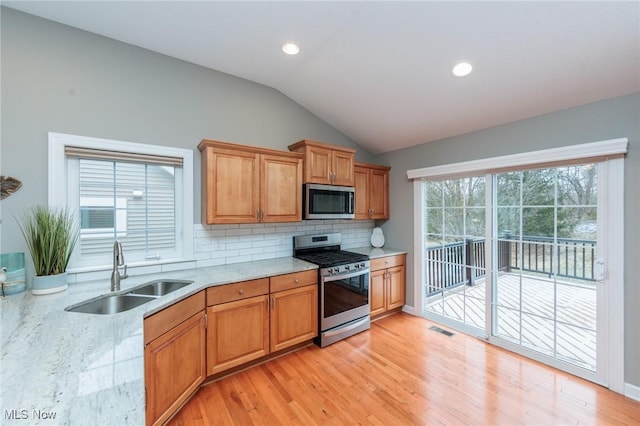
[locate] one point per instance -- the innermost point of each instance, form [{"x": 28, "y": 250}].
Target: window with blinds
[
  {"x": 131, "y": 202},
  {"x": 125, "y": 197}
]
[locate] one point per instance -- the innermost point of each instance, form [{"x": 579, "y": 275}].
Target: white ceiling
[{"x": 380, "y": 72}]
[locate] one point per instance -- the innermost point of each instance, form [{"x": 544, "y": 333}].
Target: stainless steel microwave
[{"x": 328, "y": 202}]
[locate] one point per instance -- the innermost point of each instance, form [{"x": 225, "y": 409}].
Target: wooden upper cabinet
[
  {"x": 326, "y": 164},
  {"x": 372, "y": 191},
  {"x": 281, "y": 188},
  {"x": 244, "y": 184}
]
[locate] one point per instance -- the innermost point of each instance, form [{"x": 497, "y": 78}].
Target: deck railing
[{"x": 462, "y": 262}]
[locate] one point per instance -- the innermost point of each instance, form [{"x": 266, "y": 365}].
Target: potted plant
[{"x": 51, "y": 235}]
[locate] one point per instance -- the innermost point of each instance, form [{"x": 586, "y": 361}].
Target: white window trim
[
  {"x": 58, "y": 196},
  {"x": 586, "y": 151},
  {"x": 612, "y": 150}
]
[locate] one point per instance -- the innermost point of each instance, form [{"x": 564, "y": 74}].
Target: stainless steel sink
[
  {"x": 109, "y": 304},
  {"x": 119, "y": 302},
  {"x": 159, "y": 287}
]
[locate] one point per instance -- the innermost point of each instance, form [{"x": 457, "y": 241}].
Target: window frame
[{"x": 58, "y": 195}]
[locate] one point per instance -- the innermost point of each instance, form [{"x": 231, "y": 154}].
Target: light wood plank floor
[
  {"x": 402, "y": 373},
  {"x": 575, "y": 314}
]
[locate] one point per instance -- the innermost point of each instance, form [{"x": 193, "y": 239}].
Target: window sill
[{"x": 103, "y": 272}]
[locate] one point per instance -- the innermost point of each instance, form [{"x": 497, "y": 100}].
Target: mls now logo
[{"x": 17, "y": 414}]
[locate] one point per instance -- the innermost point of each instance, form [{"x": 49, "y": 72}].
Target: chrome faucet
[{"x": 118, "y": 260}]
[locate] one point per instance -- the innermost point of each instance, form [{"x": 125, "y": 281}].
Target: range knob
[{"x": 347, "y": 267}]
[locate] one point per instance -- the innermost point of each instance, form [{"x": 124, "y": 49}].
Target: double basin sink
[{"x": 108, "y": 304}]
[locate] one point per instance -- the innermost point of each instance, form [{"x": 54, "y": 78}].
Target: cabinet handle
[
  {"x": 257, "y": 215},
  {"x": 296, "y": 281},
  {"x": 273, "y": 303},
  {"x": 241, "y": 291}
]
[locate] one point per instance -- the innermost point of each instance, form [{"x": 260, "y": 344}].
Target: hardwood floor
[{"x": 402, "y": 373}]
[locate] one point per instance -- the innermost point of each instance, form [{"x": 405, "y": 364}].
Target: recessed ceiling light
[
  {"x": 290, "y": 48},
  {"x": 462, "y": 69}
]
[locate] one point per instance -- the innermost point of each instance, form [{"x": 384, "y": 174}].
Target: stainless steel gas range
[{"x": 344, "y": 286}]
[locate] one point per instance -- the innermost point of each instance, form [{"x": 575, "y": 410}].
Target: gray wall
[
  {"x": 618, "y": 117},
  {"x": 60, "y": 79}
]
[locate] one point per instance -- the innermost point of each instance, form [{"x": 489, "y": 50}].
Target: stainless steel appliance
[
  {"x": 328, "y": 202},
  {"x": 344, "y": 286}
]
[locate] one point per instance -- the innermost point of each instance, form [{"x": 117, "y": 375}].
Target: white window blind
[
  {"x": 137, "y": 194},
  {"x": 132, "y": 202}
]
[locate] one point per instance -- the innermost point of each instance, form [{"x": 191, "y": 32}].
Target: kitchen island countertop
[{"x": 62, "y": 367}]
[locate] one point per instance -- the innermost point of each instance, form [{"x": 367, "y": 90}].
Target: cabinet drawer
[
  {"x": 159, "y": 323},
  {"x": 295, "y": 280},
  {"x": 238, "y": 291},
  {"x": 387, "y": 262}
]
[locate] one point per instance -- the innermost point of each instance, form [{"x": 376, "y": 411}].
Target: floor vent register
[{"x": 441, "y": 331}]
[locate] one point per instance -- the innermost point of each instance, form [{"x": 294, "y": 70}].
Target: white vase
[
  {"x": 48, "y": 284},
  {"x": 377, "y": 237}
]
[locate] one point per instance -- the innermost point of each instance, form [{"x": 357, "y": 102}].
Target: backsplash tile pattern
[{"x": 224, "y": 244}]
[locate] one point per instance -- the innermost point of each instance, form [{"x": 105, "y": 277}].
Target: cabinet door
[
  {"x": 361, "y": 186},
  {"x": 174, "y": 367},
  {"x": 317, "y": 165},
  {"x": 342, "y": 168},
  {"x": 377, "y": 292},
  {"x": 379, "y": 194},
  {"x": 395, "y": 287},
  {"x": 237, "y": 332},
  {"x": 294, "y": 316},
  {"x": 281, "y": 189},
  {"x": 232, "y": 184}
]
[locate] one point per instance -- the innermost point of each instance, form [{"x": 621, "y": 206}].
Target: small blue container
[{"x": 16, "y": 282}]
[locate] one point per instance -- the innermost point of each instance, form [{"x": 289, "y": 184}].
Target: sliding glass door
[
  {"x": 454, "y": 256},
  {"x": 544, "y": 290}
]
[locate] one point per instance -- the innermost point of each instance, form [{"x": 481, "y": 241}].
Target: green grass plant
[{"x": 51, "y": 236}]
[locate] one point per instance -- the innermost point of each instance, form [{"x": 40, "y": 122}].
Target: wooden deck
[{"x": 574, "y": 313}]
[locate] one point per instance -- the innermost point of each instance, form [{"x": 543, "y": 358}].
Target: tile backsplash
[
  {"x": 215, "y": 245},
  {"x": 223, "y": 244}
]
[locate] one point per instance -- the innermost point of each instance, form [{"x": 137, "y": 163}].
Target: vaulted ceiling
[{"x": 380, "y": 72}]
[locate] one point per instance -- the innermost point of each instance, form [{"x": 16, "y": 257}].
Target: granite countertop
[
  {"x": 63, "y": 367},
  {"x": 374, "y": 252}
]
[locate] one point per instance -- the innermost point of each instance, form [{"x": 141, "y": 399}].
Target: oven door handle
[
  {"x": 351, "y": 326},
  {"x": 343, "y": 276}
]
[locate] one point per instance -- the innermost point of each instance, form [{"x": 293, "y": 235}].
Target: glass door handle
[{"x": 599, "y": 270}]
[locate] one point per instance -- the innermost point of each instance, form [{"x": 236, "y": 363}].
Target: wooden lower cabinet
[
  {"x": 294, "y": 316},
  {"x": 221, "y": 328},
  {"x": 387, "y": 284},
  {"x": 237, "y": 332},
  {"x": 174, "y": 367}
]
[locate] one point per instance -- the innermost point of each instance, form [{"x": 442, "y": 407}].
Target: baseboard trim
[
  {"x": 632, "y": 391},
  {"x": 409, "y": 309}
]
